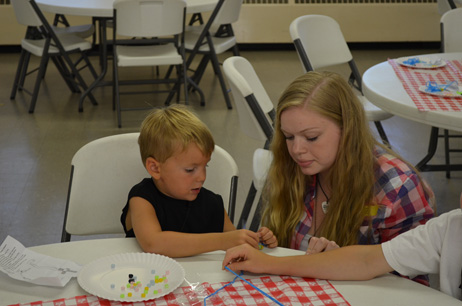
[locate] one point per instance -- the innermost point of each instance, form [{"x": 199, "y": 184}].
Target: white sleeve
[{"x": 418, "y": 251}]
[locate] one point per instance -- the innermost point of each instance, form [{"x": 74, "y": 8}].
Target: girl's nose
[{"x": 299, "y": 146}]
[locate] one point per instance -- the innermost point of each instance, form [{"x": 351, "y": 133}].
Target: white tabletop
[
  {"x": 383, "y": 88},
  {"x": 103, "y": 8},
  {"x": 386, "y": 290}
]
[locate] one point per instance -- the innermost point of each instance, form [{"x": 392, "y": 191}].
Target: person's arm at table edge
[{"x": 359, "y": 262}]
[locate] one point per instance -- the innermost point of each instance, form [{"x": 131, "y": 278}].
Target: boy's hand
[
  {"x": 318, "y": 245},
  {"x": 245, "y": 258},
  {"x": 267, "y": 237},
  {"x": 238, "y": 237}
]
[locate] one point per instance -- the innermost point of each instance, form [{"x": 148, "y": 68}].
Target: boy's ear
[{"x": 153, "y": 167}]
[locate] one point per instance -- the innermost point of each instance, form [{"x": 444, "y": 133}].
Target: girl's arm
[
  {"x": 349, "y": 263},
  {"x": 152, "y": 239}
]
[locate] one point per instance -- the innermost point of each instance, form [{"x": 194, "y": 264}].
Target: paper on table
[{"x": 26, "y": 265}]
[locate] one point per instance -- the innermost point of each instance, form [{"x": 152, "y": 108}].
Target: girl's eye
[
  {"x": 189, "y": 170},
  {"x": 312, "y": 138},
  {"x": 288, "y": 137}
]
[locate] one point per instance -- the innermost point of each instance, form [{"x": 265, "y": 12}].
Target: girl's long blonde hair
[{"x": 351, "y": 176}]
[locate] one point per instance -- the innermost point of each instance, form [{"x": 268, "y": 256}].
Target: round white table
[
  {"x": 383, "y": 88},
  {"x": 103, "y": 8},
  {"x": 385, "y": 290}
]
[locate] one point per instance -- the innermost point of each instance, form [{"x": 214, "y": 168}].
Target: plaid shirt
[{"x": 402, "y": 202}]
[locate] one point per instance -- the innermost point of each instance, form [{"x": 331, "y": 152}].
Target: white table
[
  {"x": 102, "y": 10},
  {"x": 386, "y": 290},
  {"x": 383, "y": 88}
]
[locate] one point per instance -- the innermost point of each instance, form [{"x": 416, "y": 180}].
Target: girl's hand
[
  {"x": 246, "y": 258},
  {"x": 318, "y": 245},
  {"x": 238, "y": 237},
  {"x": 267, "y": 237}
]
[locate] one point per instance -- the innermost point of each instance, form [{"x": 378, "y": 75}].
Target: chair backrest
[
  {"x": 451, "y": 31},
  {"x": 229, "y": 12},
  {"x": 222, "y": 178},
  {"x": 253, "y": 104},
  {"x": 149, "y": 18},
  {"x": 25, "y": 13},
  {"x": 445, "y": 5},
  {"x": 104, "y": 171},
  {"x": 319, "y": 42}
]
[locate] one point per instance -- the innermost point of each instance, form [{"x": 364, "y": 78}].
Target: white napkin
[{"x": 23, "y": 264}]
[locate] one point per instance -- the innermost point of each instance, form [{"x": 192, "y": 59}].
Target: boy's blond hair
[{"x": 165, "y": 130}]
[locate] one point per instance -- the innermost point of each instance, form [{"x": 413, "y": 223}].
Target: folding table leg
[
  {"x": 201, "y": 69},
  {"x": 19, "y": 73},
  {"x": 61, "y": 66},
  {"x": 24, "y": 70},
  {"x": 38, "y": 81}
]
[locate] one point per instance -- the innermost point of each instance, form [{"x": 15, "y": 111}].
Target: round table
[
  {"x": 103, "y": 8},
  {"x": 383, "y": 88},
  {"x": 385, "y": 290}
]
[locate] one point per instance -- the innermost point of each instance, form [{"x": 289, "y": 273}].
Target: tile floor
[{"x": 36, "y": 149}]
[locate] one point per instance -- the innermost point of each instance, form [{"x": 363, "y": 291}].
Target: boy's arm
[
  {"x": 174, "y": 244},
  {"x": 348, "y": 263},
  {"x": 227, "y": 224}
]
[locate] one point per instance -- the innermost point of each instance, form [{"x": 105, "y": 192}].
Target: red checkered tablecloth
[
  {"x": 413, "y": 78},
  {"x": 287, "y": 290}
]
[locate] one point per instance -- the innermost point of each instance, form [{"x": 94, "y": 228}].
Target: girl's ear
[{"x": 153, "y": 167}]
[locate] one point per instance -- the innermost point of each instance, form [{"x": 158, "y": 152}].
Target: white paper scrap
[{"x": 26, "y": 265}]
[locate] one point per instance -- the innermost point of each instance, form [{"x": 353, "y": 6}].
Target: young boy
[
  {"x": 432, "y": 248},
  {"x": 170, "y": 213}
]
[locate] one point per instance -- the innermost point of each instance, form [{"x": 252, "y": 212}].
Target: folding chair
[
  {"x": 256, "y": 114},
  {"x": 222, "y": 178},
  {"x": 83, "y": 30},
  {"x": 319, "y": 42},
  {"x": 218, "y": 39},
  {"x": 451, "y": 41},
  {"x": 157, "y": 27},
  {"x": 102, "y": 174},
  {"x": 42, "y": 41}
]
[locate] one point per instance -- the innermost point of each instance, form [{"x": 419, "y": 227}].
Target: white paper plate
[
  {"x": 444, "y": 93},
  {"x": 153, "y": 276},
  {"x": 424, "y": 62}
]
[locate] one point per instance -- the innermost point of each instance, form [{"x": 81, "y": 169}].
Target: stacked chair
[{"x": 256, "y": 114}]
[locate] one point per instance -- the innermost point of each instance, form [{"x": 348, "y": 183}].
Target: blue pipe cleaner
[
  {"x": 434, "y": 87},
  {"x": 210, "y": 295},
  {"x": 252, "y": 285},
  {"x": 412, "y": 61}
]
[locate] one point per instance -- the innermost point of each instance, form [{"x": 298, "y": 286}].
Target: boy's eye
[
  {"x": 189, "y": 170},
  {"x": 311, "y": 138}
]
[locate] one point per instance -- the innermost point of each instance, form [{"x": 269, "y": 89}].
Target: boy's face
[{"x": 182, "y": 175}]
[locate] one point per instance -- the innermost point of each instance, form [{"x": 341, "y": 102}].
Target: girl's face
[
  {"x": 312, "y": 139},
  {"x": 182, "y": 175}
]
